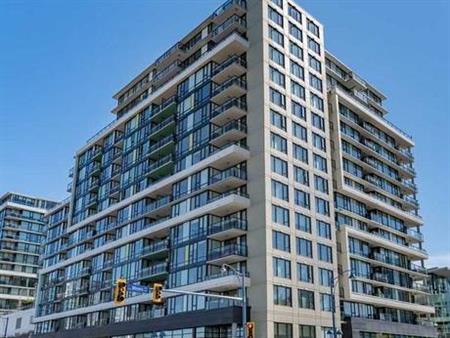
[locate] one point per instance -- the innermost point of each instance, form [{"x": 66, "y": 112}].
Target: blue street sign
[{"x": 138, "y": 288}]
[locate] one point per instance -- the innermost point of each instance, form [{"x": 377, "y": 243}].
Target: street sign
[{"x": 138, "y": 288}]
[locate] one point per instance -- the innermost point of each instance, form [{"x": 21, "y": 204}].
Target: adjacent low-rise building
[
  {"x": 22, "y": 232},
  {"x": 439, "y": 285}
]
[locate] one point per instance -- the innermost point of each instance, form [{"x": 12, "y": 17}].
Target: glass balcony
[
  {"x": 91, "y": 200},
  {"x": 418, "y": 268},
  {"x": 231, "y": 178},
  {"x": 155, "y": 250},
  {"x": 237, "y": 7},
  {"x": 412, "y": 203},
  {"x": 93, "y": 184},
  {"x": 414, "y": 236},
  {"x": 165, "y": 127},
  {"x": 166, "y": 74},
  {"x": 409, "y": 170},
  {"x": 161, "y": 148},
  {"x": 173, "y": 53},
  {"x": 409, "y": 186},
  {"x": 160, "y": 168},
  {"x": 154, "y": 272},
  {"x": 165, "y": 109},
  {"x": 229, "y": 133},
  {"x": 94, "y": 168},
  {"x": 406, "y": 153},
  {"x": 232, "y": 88},
  {"x": 232, "y": 24},
  {"x": 227, "y": 228},
  {"x": 227, "y": 254},
  {"x": 235, "y": 66},
  {"x": 380, "y": 277},
  {"x": 232, "y": 109},
  {"x": 355, "y": 81}
]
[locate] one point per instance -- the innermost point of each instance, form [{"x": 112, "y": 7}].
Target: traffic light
[
  {"x": 120, "y": 291},
  {"x": 157, "y": 297},
  {"x": 250, "y": 329}
]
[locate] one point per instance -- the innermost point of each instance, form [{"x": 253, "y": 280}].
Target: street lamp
[
  {"x": 241, "y": 276},
  {"x": 335, "y": 332}
]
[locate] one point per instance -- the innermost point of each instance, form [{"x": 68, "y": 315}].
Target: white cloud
[{"x": 440, "y": 260}]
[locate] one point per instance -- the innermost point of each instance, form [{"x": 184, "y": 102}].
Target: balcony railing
[
  {"x": 415, "y": 234},
  {"x": 227, "y": 250},
  {"x": 227, "y": 224},
  {"x": 417, "y": 268},
  {"x": 233, "y": 20},
  {"x": 151, "y": 271},
  {"x": 231, "y": 172}
]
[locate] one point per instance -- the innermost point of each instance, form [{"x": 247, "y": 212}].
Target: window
[
  {"x": 301, "y": 198},
  {"x": 304, "y": 247},
  {"x": 277, "y": 120},
  {"x": 297, "y": 70},
  {"x": 279, "y": 166},
  {"x": 326, "y": 302},
  {"x": 325, "y": 277},
  {"x": 313, "y": 45},
  {"x": 319, "y": 142},
  {"x": 321, "y": 184},
  {"x": 278, "y": 143},
  {"x": 315, "y": 64},
  {"x": 315, "y": 82},
  {"x": 281, "y": 241},
  {"x": 280, "y": 215},
  {"x": 18, "y": 323},
  {"x": 320, "y": 163},
  {"x": 282, "y": 330},
  {"x": 279, "y": 3},
  {"x": 318, "y": 121},
  {"x": 305, "y": 273},
  {"x": 301, "y": 176},
  {"x": 275, "y": 17},
  {"x": 323, "y": 229},
  {"x": 276, "y": 56},
  {"x": 316, "y": 102},
  {"x": 322, "y": 206},
  {"x": 295, "y": 31},
  {"x": 295, "y": 14},
  {"x": 276, "y": 36},
  {"x": 299, "y": 131},
  {"x": 277, "y": 98},
  {"x": 302, "y": 222},
  {"x": 281, "y": 267},
  {"x": 306, "y": 331},
  {"x": 300, "y": 153},
  {"x": 282, "y": 295},
  {"x": 305, "y": 299},
  {"x": 325, "y": 253},
  {"x": 280, "y": 190},
  {"x": 277, "y": 77},
  {"x": 297, "y": 90},
  {"x": 313, "y": 28},
  {"x": 298, "y": 110},
  {"x": 296, "y": 50}
]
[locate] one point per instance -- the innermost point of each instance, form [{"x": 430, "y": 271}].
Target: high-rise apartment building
[
  {"x": 377, "y": 219},
  {"x": 221, "y": 153},
  {"x": 22, "y": 230}
]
